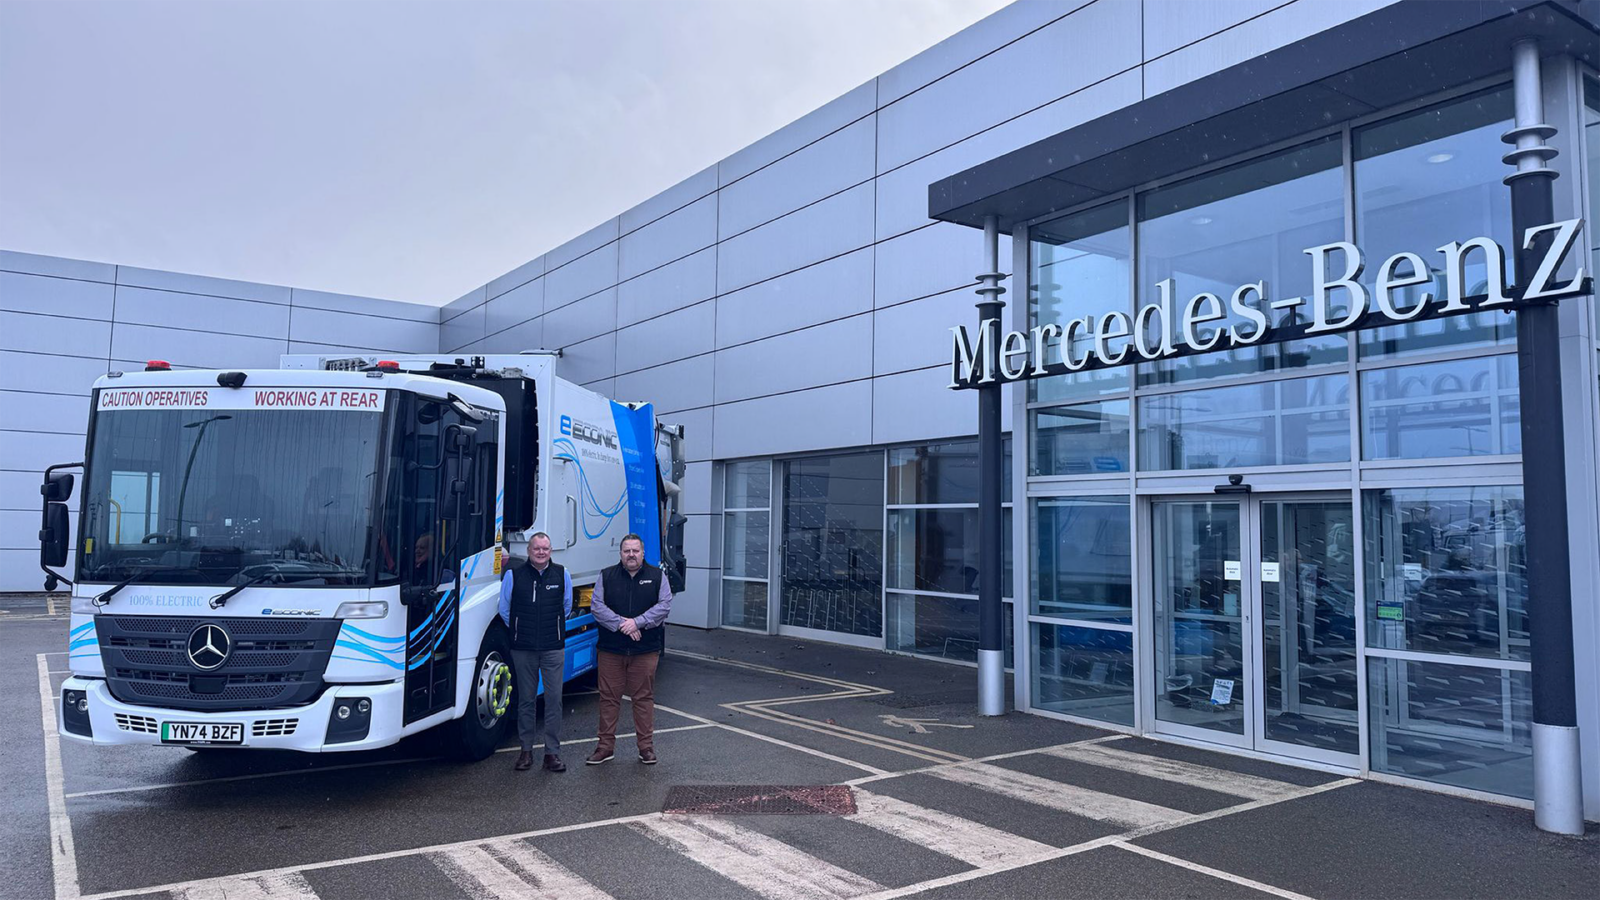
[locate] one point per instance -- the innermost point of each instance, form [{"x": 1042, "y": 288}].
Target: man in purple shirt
[{"x": 631, "y": 602}]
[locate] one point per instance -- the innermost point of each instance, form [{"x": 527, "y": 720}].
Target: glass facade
[{"x": 746, "y": 543}]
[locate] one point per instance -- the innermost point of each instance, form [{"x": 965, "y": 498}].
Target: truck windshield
[{"x": 214, "y": 496}]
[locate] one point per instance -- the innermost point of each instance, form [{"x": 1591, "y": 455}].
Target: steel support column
[{"x": 991, "y": 653}]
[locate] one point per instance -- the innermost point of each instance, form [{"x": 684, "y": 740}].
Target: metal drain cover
[{"x": 760, "y": 800}]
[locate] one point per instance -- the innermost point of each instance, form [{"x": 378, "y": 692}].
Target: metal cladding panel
[
  {"x": 577, "y": 322},
  {"x": 919, "y": 406},
  {"x": 580, "y": 278},
  {"x": 696, "y": 606},
  {"x": 55, "y": 296},
  {"x": 682, "y": 194},
  {"x": 514, "y": 307},
  {"x": 807, "y": 129},
  {"x": 200, "y": 284},
  {"x": 34, "y": 451},
  {"x": 48, "y": 374},
  {"x": 917, "y": 334},
  {"x": 517, "y": 277},
  {"x": 517, "y": 338},
  {"x": 676, "y": 335},
  {"x": 365, "y": 306},
  {"x": 462, "y": 330},
  {"x": 1047, "y": 64},
  {"x": 698, "y": 438},
  {"x": 702, "y": 539},
  {"x": 839, "y": 161},
  {"x": 252, "y": 318},
  {"x": 59, "y": 267},
  {"x": 839, "y": 415},
  {"x": 593, "y": 239},
  {"x": 1171, "y": 24},
  {"x": 696, "y": 487},
  {"x": 322, "y": 326},
  {"x": 51, "y": 334},
  {"x": 44, "y": 412},
  {"x": 830, "y": 228},
  {"x": 19, "y": 492},
  {"x": 829, "y": 290},
  {"x": 979, "y": 39},
  {"x": 673, "y": 237},
  {"x": 685, "y": 384},
  {"x": 588, "y": 361},
  {"x": 939, "y": 258},
  {"x": 466, "y": 302},
  {"x": 673, "y": 286},
  {"x": 206, "y": 350},
  {"x": 19, "y": 528},
  {"x": 823, "y": 354}
]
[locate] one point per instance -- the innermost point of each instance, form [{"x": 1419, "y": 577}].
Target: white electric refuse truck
[{"x": 309, "y": 558}]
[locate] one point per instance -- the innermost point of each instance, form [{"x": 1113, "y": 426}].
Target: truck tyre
[{"x": 490, "y": 714}]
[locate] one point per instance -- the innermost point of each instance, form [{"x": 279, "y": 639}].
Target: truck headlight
[{"x": 362, "y": 609}]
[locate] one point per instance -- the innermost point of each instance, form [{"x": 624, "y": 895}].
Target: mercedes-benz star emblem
[{"x": 209, "y": 646}]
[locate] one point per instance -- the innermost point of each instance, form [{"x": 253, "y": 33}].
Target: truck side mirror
[
  {"x": 55, "y": 533},
  {"x": 57, "y": 487}
]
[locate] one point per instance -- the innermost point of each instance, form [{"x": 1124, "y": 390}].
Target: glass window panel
[
  {"x": 937, "y": 473},
  {"x": 1457, "y": 725},
  {"x": 1467, "y": 407},
  {"x": 1240, "y": 225},
  {"x": 934, "y": 550},
  {"x": 1082, "y": 562},
  {"x": 1078, "y": 267},
  {"x": 1199, "y": 614},
  {"x": 744, "y": 604},
  {"x": 1591, "y": 140},
  {"x": 941, "y": 627},
  {"x": 749, "y": 485},
  {"x": 1447, "y": 571},
  {"x": 1083, "y": 672},
  {"x": 833, "y": 543},
  {"x": 1421, "y": 181},
  {"x": 1086, "y": 439},
  {"x": 1278, "y": 423},
  {"x": 746, "y": 543}
]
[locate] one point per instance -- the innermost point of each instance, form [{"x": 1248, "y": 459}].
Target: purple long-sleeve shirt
[{"x": 653, "y": 617}]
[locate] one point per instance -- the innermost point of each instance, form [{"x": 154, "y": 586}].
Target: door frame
[{"x": 778, "y": 569}]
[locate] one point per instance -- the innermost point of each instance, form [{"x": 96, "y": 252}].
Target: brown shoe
[
  {"x": 553, "y": 763},
  {"x": 524, "y": 761},
  {"x": 599, "y": 756},
  {"x": 648, "y": 757}
]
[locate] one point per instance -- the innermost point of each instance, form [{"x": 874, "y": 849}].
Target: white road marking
[
  {"x": 284, "y": 886},
  {"x": 514, "y": 748},
  {"x": 1069, "y": 798},
  {"x": 772, "y": 740},
  {"x": 868, "y": 779},
  {"x": 971, "y": 842},
  {"x": 523, "y": 873},
  {"x": 63, "y": 857},
  {"x": 759, "y": 863},
  {"x": 1214, "y": 873},
  {"x": 50, "y": 605},
  {"x": 1248, "y": 786}
]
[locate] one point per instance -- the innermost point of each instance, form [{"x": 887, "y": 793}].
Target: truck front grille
[{"x": 272, "y": 663}]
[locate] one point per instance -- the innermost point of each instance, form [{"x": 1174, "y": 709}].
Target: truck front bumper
[{"x": 303, "y": 728}]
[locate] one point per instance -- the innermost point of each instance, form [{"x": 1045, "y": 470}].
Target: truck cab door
[{"x": 431, "y": 526}]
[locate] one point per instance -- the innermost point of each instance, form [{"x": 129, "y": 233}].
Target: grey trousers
[{"x": 530, "y": 665}]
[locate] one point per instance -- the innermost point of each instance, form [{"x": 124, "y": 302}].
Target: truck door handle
[{"x": 572, "y": 521}]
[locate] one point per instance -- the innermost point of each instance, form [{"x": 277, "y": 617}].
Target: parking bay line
[
  {"x": 1214, "y": 873},
  {"x": 63, "y": 855},
  {"x": 287, "y": 886},
  {"x": 517, "y": 872}
]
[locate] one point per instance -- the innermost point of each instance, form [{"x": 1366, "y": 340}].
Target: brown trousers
[{"x": 635, "y": 675}]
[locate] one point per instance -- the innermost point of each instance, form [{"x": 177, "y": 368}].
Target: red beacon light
[
  {"x": 388, "y": 365},
  {"x": 158, "y": 365}
]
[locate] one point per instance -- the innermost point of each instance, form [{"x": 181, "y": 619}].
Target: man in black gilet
[
  {"x": 535, "y": 601},
  {"x": 631, "y": 602}
]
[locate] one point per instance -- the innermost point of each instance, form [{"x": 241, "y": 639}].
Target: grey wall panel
[
  {"x": 251, "y": 318},
  {"x": 19, "y": 530},
  {"x": 841, "y": 160},
  {"x": 464, "y": 329},
  {"x": 823, "y": 354},
  {"x": 20, "y": 491},
  {"x": 24, "y": 451},
  {"x": 588, "y": 361},
  {"x": 605, "y": 387},
  {"x": 903, "y": 192},
  {"x": 521, "y": 275},
  {"x": 469, "y": 301},
  {"x": 670, "y": 287},
  {"x": 932, "y": 260},
  {"x": 200, "y": 284},
  {"x": 834, "y": 289},
  {"x": 600, "y": 235},
  {"x": 324, "y": 327},
  {"x": 365, "y": 306},
  {"x": 577, "y": 322},
  {"x": 19, "y": 571},
  {"x": 583, "y": 276},
  {"x": 517, "y": 338},
  {"x": 53, "y": 334},
  {"x": 1251, "y": 39},
  {"x": 25, "y": 411},
  {"x": 1045, "y": 65},
  {"x": 60, "y": 267},
  {"x": 514, "y": 307},
  {"x": 702, "y": 541},
  {"x": 694, "y": 608},
  {"x": 1170, "y": 24},
  {"x": 55, "y": 296},
  {"x": 193, "y": 348},
  {"x": 836, "y": 416},
  {"x": 918, "y": 406},
  {"x": 917, "y": 334},
  {"x": 677, "y": 335},
  {"x": 808, "y": 128},
  {"x": 672, "y": 199},
  {"x": 697, "y": 431},
  {"x": 696, "y": 487},
  {"x": 677, "y": 235},
  {"x": 823, "y": 230},
  {"x": 978, "y": 39},
  {"x": 49, "y": 374},
  {"x": 685, "y": 384}
]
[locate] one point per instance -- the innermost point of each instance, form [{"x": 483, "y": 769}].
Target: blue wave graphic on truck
[{"x": 589, "y": 505}]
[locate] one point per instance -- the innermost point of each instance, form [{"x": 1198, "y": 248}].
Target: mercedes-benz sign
[{"x": 209, "y": 646}]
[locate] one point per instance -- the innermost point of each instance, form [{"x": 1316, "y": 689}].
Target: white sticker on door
[
  {"x": 1232, "y": 570},
  {"x": 1269, "y": 572}
]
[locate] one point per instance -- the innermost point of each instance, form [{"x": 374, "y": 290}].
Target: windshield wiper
[
  {"x": 300, "y": 570},
  {"x": 221, "y": 599},
  {"x": 105, "y": 598}
]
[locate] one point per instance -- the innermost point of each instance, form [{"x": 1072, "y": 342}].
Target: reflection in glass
[
  {"x": 749, "y": 485},
  {"x": 942, "y": 473},
  {"x": 1082, "y": 561},
  {"x": 1591, "y": 141},
  {"x": 934, "y": 550},
  {"x": 1086, "y": 439},
  {"x": 1083, "y": 672},
  {"x": 1458, "y": 725},
  {"x": 944, "y": 627},
  {"x": 833, "y": 543},
  {"x": 744, "y": 604},
  {"x": 746, "y": 542},
  {"x": 1423, "y": 180},
  {"x": 1079, "y": 267},
  {"x": 1278, "y": 423},
  {"x": 1446, "y": 571},
  {"x": 1199, "y": 626},
  {"x": 1308, "y": 627},
  {"x": 1467, "y": 407},
  {"x": 1244, "y": 224}
]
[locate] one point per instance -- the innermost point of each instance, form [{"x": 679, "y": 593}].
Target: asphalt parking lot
[{"x": 944, "y": 804}]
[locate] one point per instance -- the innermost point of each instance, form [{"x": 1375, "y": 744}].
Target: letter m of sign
[{"x": 965, "y": 358}]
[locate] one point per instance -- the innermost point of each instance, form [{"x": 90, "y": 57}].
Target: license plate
[{"x": 202, "y": 733}]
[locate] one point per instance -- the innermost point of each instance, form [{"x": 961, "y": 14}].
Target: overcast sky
[{"x": 403, "y": 150}]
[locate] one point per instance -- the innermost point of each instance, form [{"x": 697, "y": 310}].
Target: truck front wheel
[{"x": 489, "y": 712}]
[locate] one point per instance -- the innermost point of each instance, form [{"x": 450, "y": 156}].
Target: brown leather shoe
[
  {"x": 599, "y": 756},
  {"x": 524, "y": 761},
  {"x": 648, "y": 757},
  {"x": 553, "y": 763}
]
